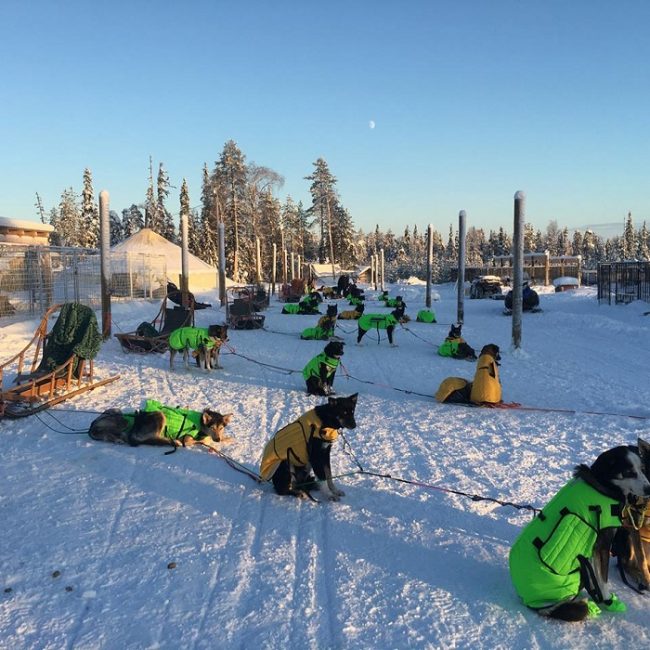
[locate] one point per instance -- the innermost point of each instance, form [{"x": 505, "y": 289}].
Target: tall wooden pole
[
  {"x": 381, "y": 264},
  {"x": 258, "y": 260},
  {"x": 461, "y": 268},
  {"x": 518, "y": 267},
  {"x": 222, "y": 266},
  {"x": 105, "y": 261},
  {"x": 429, "y": 265},
  {"x": 274, "y": 268}
]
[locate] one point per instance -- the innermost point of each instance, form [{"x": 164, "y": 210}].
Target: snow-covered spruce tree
[
  {"x": 323, "y": 203},
  {"x": 115, "y": 226},
  {"x": 167, "y": 228},
  {"x": 150, "y": 209},
  {"x": 344, "y": 237},
  {"x": 269, "y": 232},
  {"x": 229, "y": 179},
  {"x": 54, "y": 237},
  {"x": 68, "y": 219},
  {"x": 552, "y": 237},
  {"x": 529, "y": 238},
  {"x": 40, "y": 209},
  {"x": 209, "y": 247},
  {"x": 643, "y": 244},
  {"x": 132, "y": 221},
  {"x": 630, "y": 244},
  {"x": 89, "y": 220},
  {"x": 193, "y": 223}
]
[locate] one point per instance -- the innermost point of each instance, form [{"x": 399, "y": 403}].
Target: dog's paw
[
  {"x": 614, "y": 604},
  {"x": 338, "y": 493},
  {"x": 593, "y": 609},
  {"x": 226, "y": 440}
]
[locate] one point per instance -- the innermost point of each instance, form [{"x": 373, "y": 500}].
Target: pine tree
[
  {"x": 323, "y": 206},
  {"x": 164, "y": 217},
  {"x": 40, "y": 209},
  {"x": 643, "y": 239},
  {"x": 68, "y": 218},
  {"x": 576, "y": 246},
  {"x": 629, "y": 243},
  {"x": 209, "y": 250},
  {"x": 115, "y": 225},
  {"x": 529, "y": 237},
  {"x": 150, "y": 208},
  {"x": 229, "y": 179},
  {"x": 54, "y": 237},
  {"x": 132, "y": 221},
  {"x": 89, "y": 220}
]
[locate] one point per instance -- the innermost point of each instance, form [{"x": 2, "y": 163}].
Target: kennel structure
[{"x": 623, "y": 282}]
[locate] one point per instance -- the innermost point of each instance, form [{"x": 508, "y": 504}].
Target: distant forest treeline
[{"x": 241, "y": 195}]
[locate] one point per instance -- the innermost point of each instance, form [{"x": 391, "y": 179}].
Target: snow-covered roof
[
  {"x": 566, "y": 281},
  {"x": 148, "y": 242},
  {"x": 21, "y": 224}
]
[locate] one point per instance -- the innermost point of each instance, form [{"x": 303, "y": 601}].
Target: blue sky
[{"x": 471, "y": 101}]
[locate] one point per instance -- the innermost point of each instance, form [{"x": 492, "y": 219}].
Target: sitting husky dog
[
  {"x": 157, "y": 424},
  {"x": 631, "y": 545},
  {"x": 204, "y": 342},
  {"x": 566, "y": 547},
  {"x": 306, "y": 444}
]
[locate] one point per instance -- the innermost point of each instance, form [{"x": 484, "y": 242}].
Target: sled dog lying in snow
[
  {"x": 566, "y": 547},
  {"x": 157, "y": 424},
  {"x": 305, "y": 445}
]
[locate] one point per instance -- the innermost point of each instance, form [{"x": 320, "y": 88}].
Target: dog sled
[
  {"x": 293, "y": 292},
  {"x": 55, "y": 365},
  {"x": 153, "y": 336}
]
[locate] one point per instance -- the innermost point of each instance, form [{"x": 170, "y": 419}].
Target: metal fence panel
[
  {"x": 624, "y": 282},
  {"x": 33, "y": 278}
]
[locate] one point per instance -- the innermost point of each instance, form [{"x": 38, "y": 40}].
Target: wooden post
[
  {"x": 547, "y": 268},
  {"x": 105, "y": 262},
  {"x": 258, "y": 260},
  {"x": 381, "y": 266},
  {"x": 518, "y": 267},
  {"x": 285, "y": 265},
  {"x": 185, "y": 265},
  {"x": 222, "y": 266},
  {"x": 299, "y": 272},
  {"x": 373, "y": 272},
  {"x": 429, "y": 265},
  {"x": 579, "y": 262},
  {"x": 293, "y": 266},
  {"x": 460, "y": 312},
  {"x": 273, "y": 268}
]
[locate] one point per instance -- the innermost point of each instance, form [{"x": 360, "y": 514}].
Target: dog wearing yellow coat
[
  {"x": 486, "y": 387},
  {"x": 305, "y": 444}
]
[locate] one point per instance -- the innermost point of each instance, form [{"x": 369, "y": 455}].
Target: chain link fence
[{"x": 33, "y": 278}]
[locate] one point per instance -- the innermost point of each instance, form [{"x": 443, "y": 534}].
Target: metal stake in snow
[
  {"x": 104, "y": 260},
  {"x": 460, "y": 315},
  {"x": 518, "y": 267},
  {"x": 429, "y": 264},
  {"x": 185, "y": 257}
]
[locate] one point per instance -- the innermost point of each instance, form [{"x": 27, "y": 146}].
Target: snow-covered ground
[{"x": 107, "y": 546}]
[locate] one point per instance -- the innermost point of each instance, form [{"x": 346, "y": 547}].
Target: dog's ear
[
  {"x": 353, "y": 398},
  {"x": 226, "y": 419},
  {"x": 644, "y": 453}
]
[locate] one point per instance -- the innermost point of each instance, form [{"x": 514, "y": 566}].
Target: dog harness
[
  {"x": 547, "y": 558},
  {"x": 449, "y": 347},
  {"x": 291, "y": 443},
  {"x": 180, "y": 422},
  {"x": 486, "y": 386},
  {"x": 393, "y": 302},
  {"x": 191, "y": 337},
  {"x": 354, "y": 300}
]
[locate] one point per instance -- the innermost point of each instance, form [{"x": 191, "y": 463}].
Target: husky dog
[
  {"x": 631, "y": 545},
  {"x": 157, "y": 424},
  {"x": 353, "y": 314},
  {"x": 305, "y": 445},
  {"x": 566, "y": 547},
  {"x": 204, "y": 343}
]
